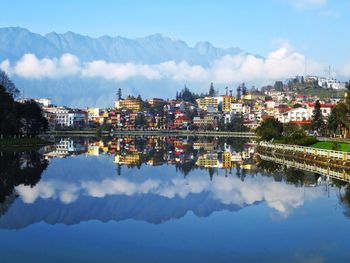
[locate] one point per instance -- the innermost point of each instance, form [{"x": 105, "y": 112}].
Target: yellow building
[
  {"x": 226, "y": 160},
  {"x": 132, "y": 104},
  {"x": 208, "y": 160},
  {"x": 227, "y": 103},
  {"x": 128, "y": 159}
]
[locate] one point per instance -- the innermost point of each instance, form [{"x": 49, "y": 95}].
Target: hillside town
[{"x": 242, "y": 111}]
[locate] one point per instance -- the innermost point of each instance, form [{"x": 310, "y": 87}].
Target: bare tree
[{"x": 7, "y": 83}]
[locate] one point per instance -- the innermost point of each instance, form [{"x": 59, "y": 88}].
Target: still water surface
[{"x": 167, "y": 200}]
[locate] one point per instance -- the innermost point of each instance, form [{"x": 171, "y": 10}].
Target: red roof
[
  {"x": 326, "y": 105},
  {"x": 300, "y": 122}
]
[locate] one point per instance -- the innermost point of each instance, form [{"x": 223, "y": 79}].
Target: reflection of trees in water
[
  {"x": 6, "y": 203},
  {"x": 344, "y": 198},
  {"x": 18, "y": 169},
  {"x": 186, "y": 167},
  {"x": 289, "y": 174},
  {"x": 236, "y": 143}
]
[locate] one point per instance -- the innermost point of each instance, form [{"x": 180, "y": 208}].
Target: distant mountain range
[
  {"x": 77, "y": 90},
  {"x": 16, "y": 41}
]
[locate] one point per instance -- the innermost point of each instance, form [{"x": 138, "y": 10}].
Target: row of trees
[{"x": 18, "y": 118}]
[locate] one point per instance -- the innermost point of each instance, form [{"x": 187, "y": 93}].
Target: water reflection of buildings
[
  {"x": 227, "y": 158},
  {"x": 155, "y": 151},
  {"x": 66, "y": 147}
]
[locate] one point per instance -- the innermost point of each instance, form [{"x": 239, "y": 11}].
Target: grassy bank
[
  {"x": 332, "y": 145},
  {"x": 22, "y": 143}
]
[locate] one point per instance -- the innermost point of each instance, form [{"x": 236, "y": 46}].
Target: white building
[
  {"x": 304, "y": 113},
  {"x": 63, "y": 116},
  {"x": 297, "y": 114},
  {"x": 43, "y": 102},
  {"x": 331, "y": 83},
  {"x": 93, "y": 114}
]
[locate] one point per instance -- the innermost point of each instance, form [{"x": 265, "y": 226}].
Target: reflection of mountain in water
[{"x": 150, "y": 208}]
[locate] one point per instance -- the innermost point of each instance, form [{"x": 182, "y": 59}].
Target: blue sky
[{"x": 316, "y": 28}]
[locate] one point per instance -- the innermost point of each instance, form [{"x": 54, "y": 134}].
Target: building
[
  {"x": 297, "y": 114},
  {"x": 304, "y": 113},
  {"x": 64, "y": 117},
  {"x": 132, "y": 104},
  {"x": 208, "y": 160},
  {"x": 156, "y": 102},
  {"x": 43, "y": 102},
  {"x": 331, "y": 83},
  {"x": 207, "y": 121},
  {"x": 128, "y": 159},
  {"x": 325, "y": 108},
  {"x": 209, "y": 104},
  {"x": 93, "y": 115},
  {"x": 237, "y": 107},
  {"x": 227, "y": 103}
]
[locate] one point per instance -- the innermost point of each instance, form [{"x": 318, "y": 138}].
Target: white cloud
[
  {"x": 5, "y": 66},
  {"x": 29, "y": 66},
  {"x": 279, "y": 196},
  {"x": 280, "y": 63},
  {"x": 116, "y": 71},
  {"x": 283, "y": 62}
]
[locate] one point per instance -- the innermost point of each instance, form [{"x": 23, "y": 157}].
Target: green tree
[
  {"x": 244, "y": 89},
  {"x": 7, "y": 83},
  {"x": 278, "y": 85},
  {"x": 239, "y": 92},
  {"x": 317, "y": 118},
  {"x": 293, "y": 133},
  {"x": 211, "y": 90},
  {"x": 9, "y": 123},
  {"x": 15, "y": 117},
  {"x": 119, "y": 94},
  {"x": 337, "y": 119},
  {"x": 31, "y": 118},
  {"x": 270, "y": 129}
]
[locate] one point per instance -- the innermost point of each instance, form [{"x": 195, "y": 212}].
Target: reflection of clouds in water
[
  {"x": 66, "y": 192},
  {"x": 278, "y": 195},
  {"x": 118, "y": 186}
]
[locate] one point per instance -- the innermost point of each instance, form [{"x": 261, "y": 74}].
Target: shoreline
[{"x": 153, "y": 132}]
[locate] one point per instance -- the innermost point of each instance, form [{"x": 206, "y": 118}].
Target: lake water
[{"x": 167, "y": 200}]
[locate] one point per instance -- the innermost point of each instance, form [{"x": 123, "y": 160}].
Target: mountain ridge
[{"x": 151, "y": 49}]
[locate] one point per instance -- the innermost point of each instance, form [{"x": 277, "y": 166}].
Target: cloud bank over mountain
[
  {"x": 280, "y": 63},
  {"x": 78, "y": 70}
]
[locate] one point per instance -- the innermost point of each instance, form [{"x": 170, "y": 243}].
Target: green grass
[{"x": 331, "y": 145}]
